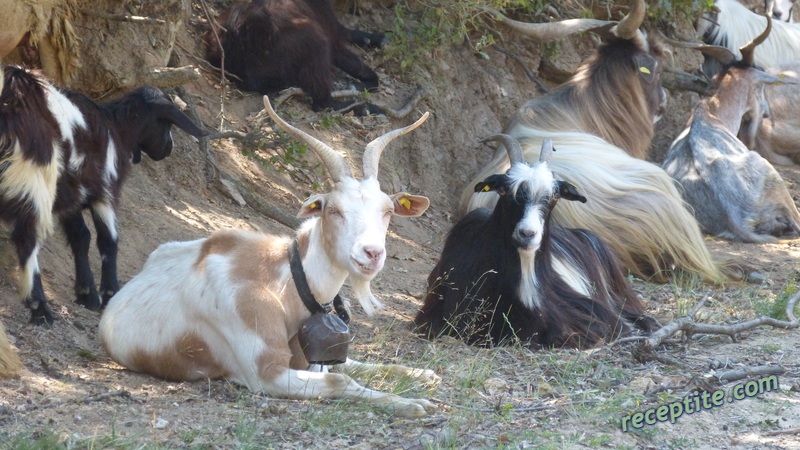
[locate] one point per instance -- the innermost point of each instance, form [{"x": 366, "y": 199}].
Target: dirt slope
[{"x": 488, "y": 397}]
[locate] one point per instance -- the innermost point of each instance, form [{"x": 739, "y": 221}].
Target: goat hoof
[
  {"x": 89, "y": 301},
  {"x": 42, "y": 316}
]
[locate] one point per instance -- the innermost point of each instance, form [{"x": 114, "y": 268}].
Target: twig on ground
[
  {"x": 780, "y": 432},
  {"x": 738, "y": 374}
]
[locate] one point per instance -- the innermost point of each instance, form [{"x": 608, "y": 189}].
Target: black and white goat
[
  {"x": 61, "y": 153},
  {"x": 275, "y": 44},
  {"x": 602, "y": 121},
  {"x": 512, "y": 273},
  {"x": 228, "y": 306},
  {"x": 735, "y": 192}
]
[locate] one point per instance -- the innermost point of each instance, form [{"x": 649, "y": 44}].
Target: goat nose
[{"x": 374, "y": 253}]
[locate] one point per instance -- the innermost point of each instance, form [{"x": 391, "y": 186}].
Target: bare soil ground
[{"x": 73, "y": 395}]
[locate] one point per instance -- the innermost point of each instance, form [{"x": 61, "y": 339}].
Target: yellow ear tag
[
  {"x": 486, "y": 188},
  {"x": 644, "y": 70},
  {"x": 781, "y": 76},
  {"x": 313, "y": 205},
  {"x": 406, "y": 203}
]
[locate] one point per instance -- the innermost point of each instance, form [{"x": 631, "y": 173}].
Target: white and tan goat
[
  {"x": 735, "y": 192},
  {"x": 227, "y": 305}
]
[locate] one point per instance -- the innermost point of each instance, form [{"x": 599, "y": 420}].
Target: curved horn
[
  {"x": 749, "y": 50},
  {"x": 629, "y": 25},
  {"x": 513, "y": 148},
  {"x": 331, "y": 159},
  {"x": 372, "y": 154},
  {"x": 549, "y": 31},
  {"x": 721, "y": 54},
  {"x": 546, "y": 155}
]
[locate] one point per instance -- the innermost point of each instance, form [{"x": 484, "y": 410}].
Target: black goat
[
  {"x": 61, "y": 153},
  {"x": 275, "y": 44},
  {"x": 511, "y": 274}
]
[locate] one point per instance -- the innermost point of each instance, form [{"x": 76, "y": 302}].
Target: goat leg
[{"x": 79, "y": 238}]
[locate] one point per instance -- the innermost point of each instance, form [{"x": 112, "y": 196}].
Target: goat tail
[
  {"x": 10, "y": 364},
  {"x": 633, "y": 205}
]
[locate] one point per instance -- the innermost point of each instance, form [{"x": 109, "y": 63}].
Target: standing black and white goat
[
  {"x": 61, "y": 153},
  {"x": 275, "y": 44},
  {"x": 512, "y": 273},
  {"x": 228, "y": 306},
  {"x": 602, "y": 121},
  {"x": 735, "y": 192}
]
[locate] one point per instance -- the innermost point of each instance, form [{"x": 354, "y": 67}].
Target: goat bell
[{"x": 324, "y": 339}]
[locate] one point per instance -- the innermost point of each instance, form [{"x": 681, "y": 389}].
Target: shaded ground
[{"x": 74, "y": 394}]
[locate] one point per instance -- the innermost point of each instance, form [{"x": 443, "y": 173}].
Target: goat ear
[
  {"x": 495, "y": 183},
  {"x": 171, "y": 113},
  {"x": 313, "y": 206},
  {"x": 647, "y": 66},
  {"x": 569, "y": 191},
  {"x": 408, "y": 205}
]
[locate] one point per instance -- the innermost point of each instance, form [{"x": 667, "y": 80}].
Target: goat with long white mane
[{"x": 601, "y": 121}]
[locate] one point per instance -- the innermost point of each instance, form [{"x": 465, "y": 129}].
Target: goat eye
[{"x": 334, "y": 212}]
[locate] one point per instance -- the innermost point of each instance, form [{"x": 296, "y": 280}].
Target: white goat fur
[
  {"x": 226, "y": 306},
  {"x": 739, "y": 26}
]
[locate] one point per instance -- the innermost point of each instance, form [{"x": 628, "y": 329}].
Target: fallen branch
[
  {"x": 690, "y": 327},
  {"x": 781, "y": 432},
  {"x": 738, "y": 374},
  {"x": 167, "y": 77}
]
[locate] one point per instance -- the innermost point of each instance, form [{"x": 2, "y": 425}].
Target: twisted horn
[
  {"x": 372, "y": 154},
  {"x": 549, "y": 31},
  {"x": 629, "y": 25},
  {"x": 332, "y": 160},
  {"x": 513, "y": 148},
  {"x": 749, "y": 50}
]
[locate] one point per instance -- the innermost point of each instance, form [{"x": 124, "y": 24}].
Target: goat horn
[
  {"x": 721, "y": 54},
  {"x": 546, "y": 155},
  {"x": 550, "y": 31},
  {"x": 513, "y": 148},
  {"x": 331, "y": 159},
  {"x": 372, "y": 154},
  {"x": 629, "y": 25},
  {"x": 749, "y": 50}
]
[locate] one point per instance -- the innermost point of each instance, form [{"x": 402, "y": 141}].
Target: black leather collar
[{"x": 304, "y": 290}]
